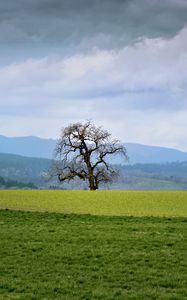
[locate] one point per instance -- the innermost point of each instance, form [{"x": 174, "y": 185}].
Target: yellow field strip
[{"x": 118, "y": 203}]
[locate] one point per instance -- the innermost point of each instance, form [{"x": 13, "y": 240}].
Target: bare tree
[{"x": 83, "y": 151}]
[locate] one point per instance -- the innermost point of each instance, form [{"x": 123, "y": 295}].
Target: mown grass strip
[{"x": 119, "y": 203}]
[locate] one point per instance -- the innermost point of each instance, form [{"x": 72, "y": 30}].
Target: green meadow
[{"x": 93, "y": 245}]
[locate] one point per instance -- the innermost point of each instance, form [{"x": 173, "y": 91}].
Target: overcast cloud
[{"x": 121, "y": 63}]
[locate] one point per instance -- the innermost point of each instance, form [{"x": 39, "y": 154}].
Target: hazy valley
[{"x": 25, "y": 162}]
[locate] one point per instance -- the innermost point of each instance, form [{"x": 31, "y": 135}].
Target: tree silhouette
[{"x": 83, "y": 151}]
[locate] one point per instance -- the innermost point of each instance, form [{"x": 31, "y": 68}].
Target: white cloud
[
  {"x": 115, "y": 88},
  {"x": 150, "y": 64}
]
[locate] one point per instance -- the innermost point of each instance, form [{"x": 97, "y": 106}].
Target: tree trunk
[
  {"x": 91, "y": 177},
  {"x": 92, "y": 182}
]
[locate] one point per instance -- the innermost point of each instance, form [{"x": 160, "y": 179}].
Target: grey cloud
[
  {"x": 148, "y": 76},
  {"x": 69, "y": 22}
]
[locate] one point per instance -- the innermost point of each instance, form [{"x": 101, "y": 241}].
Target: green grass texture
[
  {"x": 118, "y": 203},
  {"x": 55, "y": 256}
]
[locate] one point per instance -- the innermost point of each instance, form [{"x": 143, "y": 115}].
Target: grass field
[
  {"x": 118, "y": 203},
  {"x": 56, "y": 256},
  {"x": 115, "y": 245}
]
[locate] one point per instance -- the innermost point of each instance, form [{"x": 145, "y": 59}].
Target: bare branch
[{"x": 83, "y": 151}]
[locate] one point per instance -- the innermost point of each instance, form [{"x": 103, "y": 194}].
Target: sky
[{"x": 120, "y": 63}]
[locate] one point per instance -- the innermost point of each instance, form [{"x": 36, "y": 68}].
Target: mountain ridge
[{"x": 32, "y": 146}]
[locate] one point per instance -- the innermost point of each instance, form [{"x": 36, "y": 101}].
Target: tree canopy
[{"x": 83, "y": 151}]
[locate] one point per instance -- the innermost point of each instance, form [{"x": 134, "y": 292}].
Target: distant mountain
[
  {"x": 30, "y": 146},
  {"x": 37, "y": 147},
  {"x": 152, "y": 154}
]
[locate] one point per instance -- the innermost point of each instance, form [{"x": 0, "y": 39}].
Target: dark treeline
[{"x": 8, "y": 184}]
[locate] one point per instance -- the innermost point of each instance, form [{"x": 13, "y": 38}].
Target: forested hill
[
  {"x": 24, "y": 169},
  {"x": 27, "y": 170}
]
